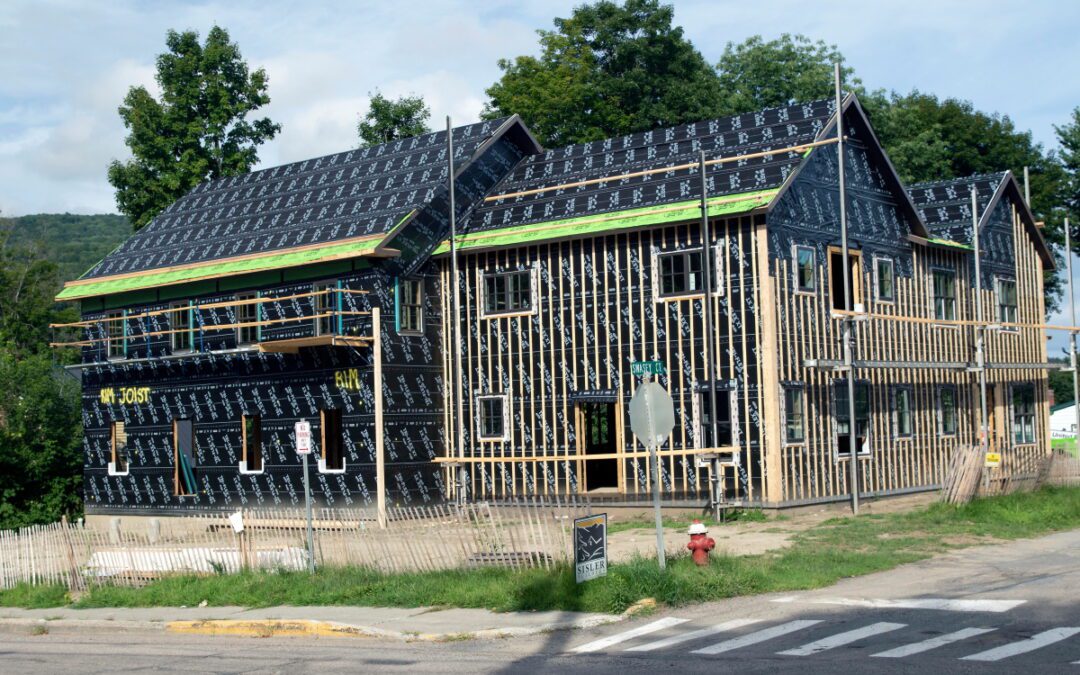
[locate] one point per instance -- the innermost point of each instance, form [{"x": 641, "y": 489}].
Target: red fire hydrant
[{"x": 700, "y": 543}]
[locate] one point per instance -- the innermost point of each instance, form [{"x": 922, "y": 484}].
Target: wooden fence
[{"x": 519, "y": 534}]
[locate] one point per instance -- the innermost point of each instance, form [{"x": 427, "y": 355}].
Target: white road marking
[
  {"x": 604, "y": 643},
  {"x": 756, "y": 637},
  {"x": 946, "y": 604},
  {"x": 1034, "y": 642},
  {"x": 933, "y": 643},
  {"x": 844, "y": 638},
  {"x": 693, "y": 635}
]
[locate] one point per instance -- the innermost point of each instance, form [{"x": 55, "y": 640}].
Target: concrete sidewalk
[{"x": 422, "y": 623}]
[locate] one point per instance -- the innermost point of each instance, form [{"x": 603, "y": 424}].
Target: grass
[
  {"x": 1066, "y": 445},
  {"x": 682, "y": 521},
  {"x": 34, "y": 597},
  {"x": 822, "y": 555}
]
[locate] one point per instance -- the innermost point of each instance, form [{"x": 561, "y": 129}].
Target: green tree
[
  {"x": 1068, "y": 136},
  {"x": 607, "y": 70},
  {"x": 756, "y": 74},
  {"x": 1061, "y": 384},
  {"x": 198, "y": 130},
  {"x": 390, "y": 120}
]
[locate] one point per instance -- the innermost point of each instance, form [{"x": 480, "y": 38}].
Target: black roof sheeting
[
  {"x": 946, "y": 205},
  {"x": 349, "y": 194},
  {"x": 747, "y": 133}
]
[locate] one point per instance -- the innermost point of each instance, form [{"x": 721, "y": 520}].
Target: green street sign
[{"x": 640, "y": 368}]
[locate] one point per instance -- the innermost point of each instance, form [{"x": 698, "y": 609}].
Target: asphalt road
[{"x": 1008, "y": 608}]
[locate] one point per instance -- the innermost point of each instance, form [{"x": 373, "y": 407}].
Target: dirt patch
[{"x": 749, "y": 539}]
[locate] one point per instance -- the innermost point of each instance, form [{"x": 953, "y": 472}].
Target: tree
[
  {"x": 387, "y": 121},
  {"x": 198, "y": 130},
  {"x": 1068, "y": 136},
  {"x": 756, "y": 74},
  {"x": 607, "y": 70}
]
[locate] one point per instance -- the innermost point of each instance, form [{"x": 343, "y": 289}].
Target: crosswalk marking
[
  {"x": 946, "y": 604},
  {"x": 693, "y": 635},
  {"x": 933, "y": 643},
  {"x": 759, "y": 636},
  {"x": 1037, "y": 641},
  {"x": 844, "y": 638},
  {"x": 610, "y": 640}
]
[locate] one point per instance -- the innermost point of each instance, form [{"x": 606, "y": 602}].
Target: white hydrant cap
[{"x": 698, "y": 527}]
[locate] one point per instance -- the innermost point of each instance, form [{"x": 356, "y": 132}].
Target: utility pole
[
  {"x": 1072, "y": 333},
  {"x": 849, "y": 360},
  {"x": 980, "y": 327},
  {"x": 710, "y": 364},
  {"x": 455, "y": 326}
]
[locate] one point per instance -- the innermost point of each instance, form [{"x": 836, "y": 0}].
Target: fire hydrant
[{"x": 700, "y": 543}]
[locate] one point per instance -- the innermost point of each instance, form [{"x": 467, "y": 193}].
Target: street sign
[
  {"x": 652, "y": 414},
  {"x": 642, "y": 368},
  {"x": 302, "y": 429},
  {"x": 993, "y": 459},
  {"x": 590, "y": 547}
]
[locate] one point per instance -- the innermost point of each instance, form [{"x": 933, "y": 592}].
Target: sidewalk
[{"x": 422, "y": 623}]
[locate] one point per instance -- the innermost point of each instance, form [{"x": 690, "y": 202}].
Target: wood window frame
[
  {"x": 533, "y": 277},
  {"x": 796, "y": 281},
  {"x": 878, "y": 296},
  {"x": 250, "y": 446},
  {"x": 855, "y": 260},
  {"x": 186, "y": 310},
  {"x": 504, "y": 402},
  {"x": 118, "y": 466},
  {"x": 940, "y": 407},
  {"x": 325, "y": 446},
  {"x": 116, "y": 335}
]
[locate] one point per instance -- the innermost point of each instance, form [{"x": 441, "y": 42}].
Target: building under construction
[{"x": 496, "y": 362}]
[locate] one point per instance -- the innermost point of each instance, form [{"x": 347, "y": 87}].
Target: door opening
[{"x": 599, "y": 437}]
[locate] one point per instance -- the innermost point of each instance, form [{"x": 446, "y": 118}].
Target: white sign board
[
  {"x": 303, "y": 437},
  {"x": 652, "y": 414}
]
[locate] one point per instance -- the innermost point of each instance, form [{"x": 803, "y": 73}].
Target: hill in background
[{"x": 75, "y": 243}]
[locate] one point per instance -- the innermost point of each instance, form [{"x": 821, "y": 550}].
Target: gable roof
[
  {"x": 343, "y": 204},
  {"x": 945, "y": 205},
  {"x": 565, "y": 192}
]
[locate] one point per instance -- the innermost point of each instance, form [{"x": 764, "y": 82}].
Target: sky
[{"x": 65, "y": 66}]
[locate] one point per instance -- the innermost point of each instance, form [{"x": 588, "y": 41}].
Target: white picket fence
[{"x": 524, "y": 533}]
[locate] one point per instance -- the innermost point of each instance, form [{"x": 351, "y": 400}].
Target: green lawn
[
  {"x": 1066, "y": 444},
  {"x": 838, "y": 548}
]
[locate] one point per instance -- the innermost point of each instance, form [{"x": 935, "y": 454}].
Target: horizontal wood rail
[
  {"x": 636, "y": 454},
  {"x": 842, "y": 313}
]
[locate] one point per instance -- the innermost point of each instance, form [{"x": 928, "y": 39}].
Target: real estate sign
[{"x": 590, "y": 547}]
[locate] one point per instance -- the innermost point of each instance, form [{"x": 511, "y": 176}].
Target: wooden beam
[{"x": 376, "y": 386}]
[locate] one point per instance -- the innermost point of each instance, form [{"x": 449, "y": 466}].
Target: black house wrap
[{"x": 322, "y": 290}]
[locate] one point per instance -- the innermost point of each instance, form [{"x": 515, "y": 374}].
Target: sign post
[
  {"x": 302, "y": 431},
  {"x": 652, "y": 417},
  {"x": 590, "y": 547}
]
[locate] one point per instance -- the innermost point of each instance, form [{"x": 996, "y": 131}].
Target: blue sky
[{"x": 65, "y": 66}]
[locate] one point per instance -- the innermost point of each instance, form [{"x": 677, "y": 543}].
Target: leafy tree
[
  {"x": 387, "y": 121},
  {"x": 756, "y": 74},
  {"x": 1061, "y": 384},
  {"x": 1068, "y": 136},
  {"x": 198, "y": 130},
  {"x": 607, "y": 70}
]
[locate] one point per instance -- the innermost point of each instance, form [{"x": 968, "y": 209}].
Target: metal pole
[
  {"x": 980, "y": 328},
  {"x": 710, "y": 366},
  {"x": 655, "y": 467},
  {"x": 1072, "y": 334},
  {"x": 848, "y": 348},
  {"x": 307, "y": 506},
  {"x": 455, "y": 332},
  {"x": 1027, "y": 187}
]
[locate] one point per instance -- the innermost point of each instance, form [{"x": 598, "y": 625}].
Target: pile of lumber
[{"x": 964, "y": 476}]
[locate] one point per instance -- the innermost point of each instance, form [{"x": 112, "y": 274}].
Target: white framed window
[
  {"x": 884, "y": 280},
  {"x": 492, "y": 417},
  {"x": 1007, "y": 308},
  {"x": 805, "y": 269},
  {"x": 116, "y": 332},
  {"x": 944, "y": 294},
  {"x": 845, "y": 441},
  {"x": 902, "y": 418},
  {"x": 118, "y": 464},
  {"x": 1023, "y": 414},
  {"x": 247, "y": 319},
  {"x": 410, "y": 306},
  {"x": 333, "y": 442},
  {"x": 509, "y": 292},
  {"x": 725, "y": 421},
  {"x": 251, "y": 458},
  {"x": 794, "y": 414},
  {"x": 946, "y": 412},
  {"x": 181, "y": 326}
]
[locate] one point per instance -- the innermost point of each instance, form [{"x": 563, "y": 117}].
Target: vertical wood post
[
  {"x": 770, "y": 357},
  {"x": 377, "y": 382}
]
